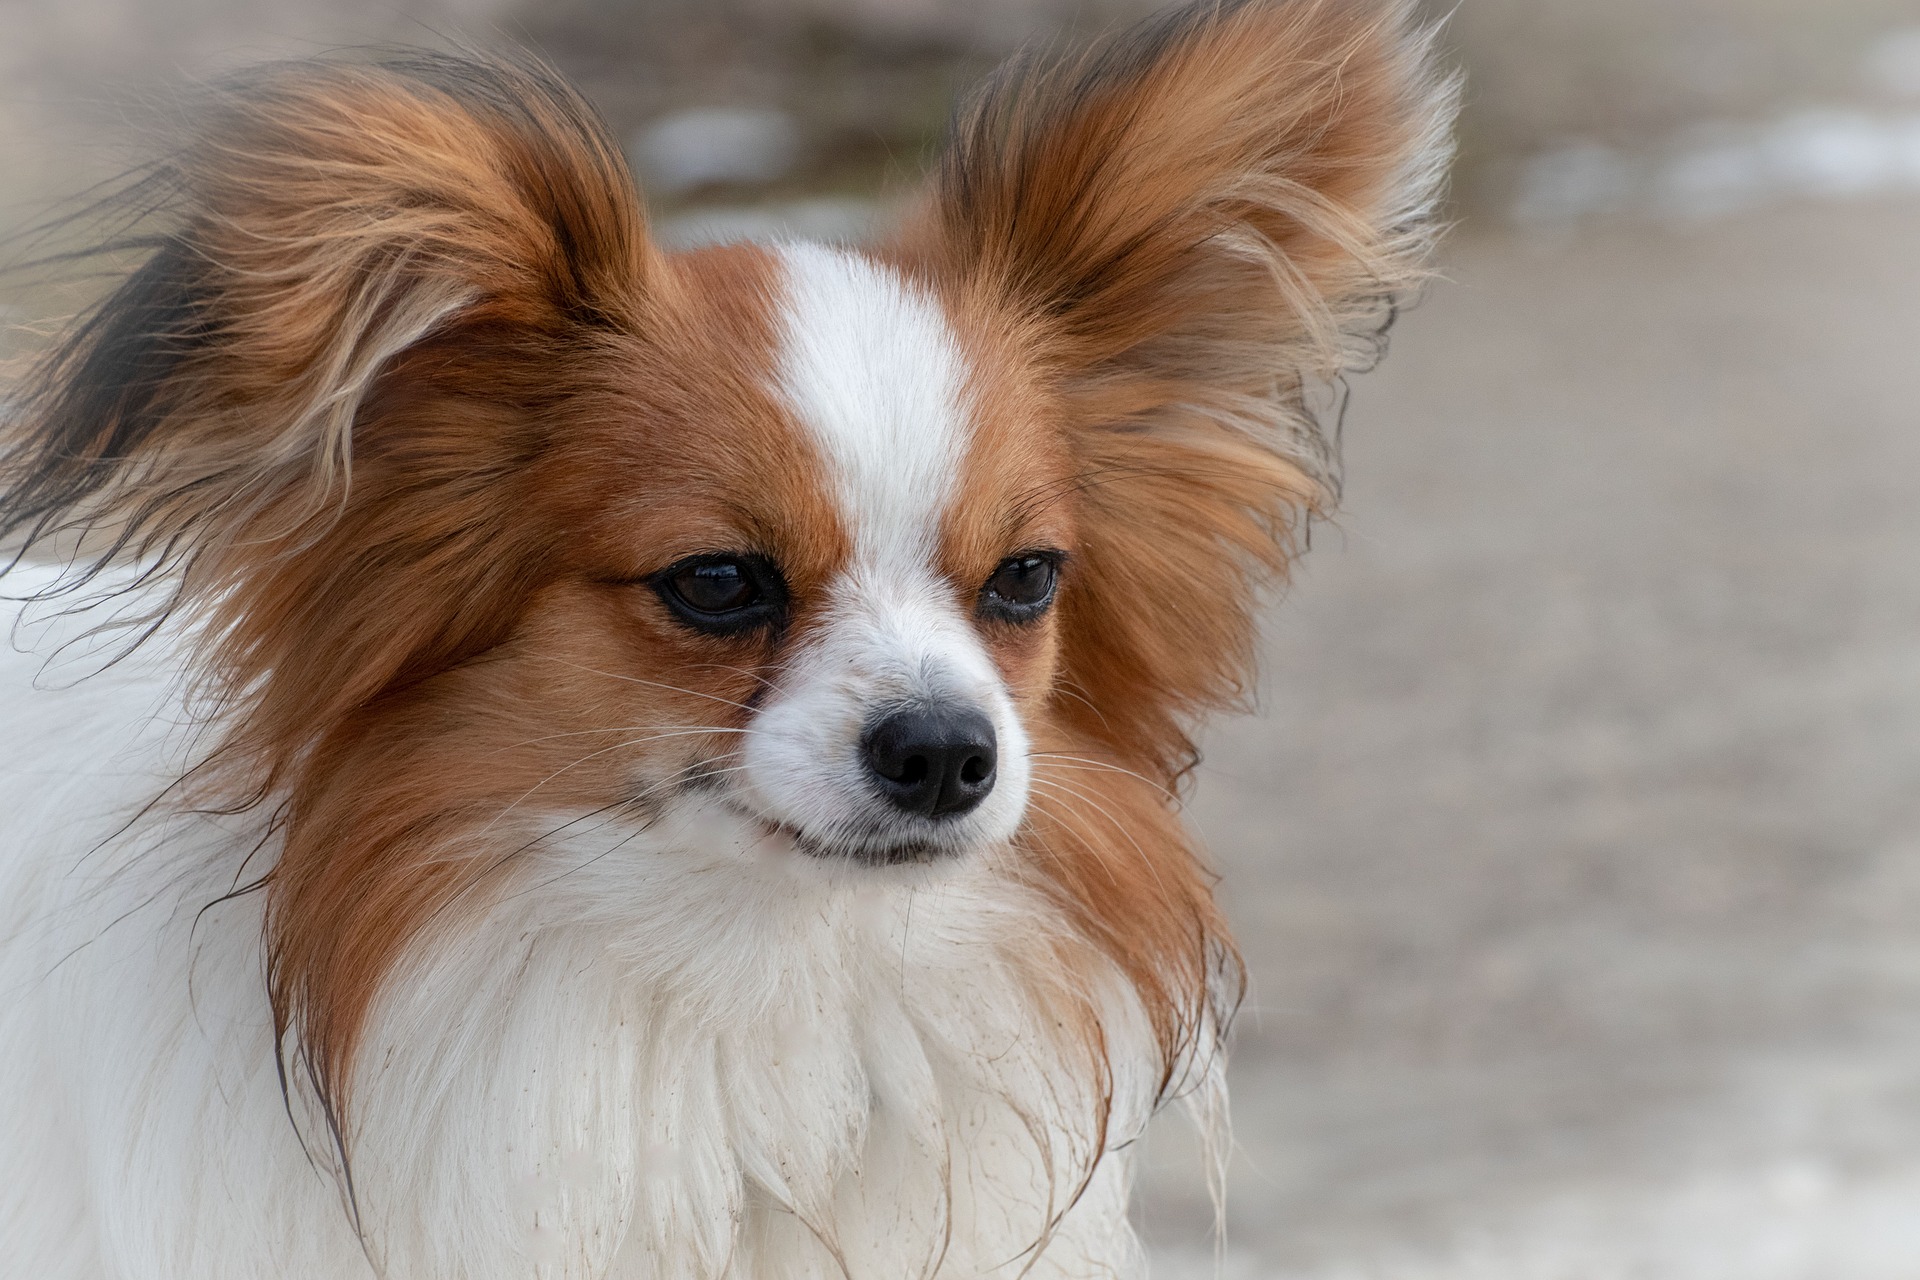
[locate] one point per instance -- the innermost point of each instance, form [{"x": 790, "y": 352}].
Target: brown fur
[
  {"x": 1180, "y": 229},
  {"x": 404, "y": 403}
]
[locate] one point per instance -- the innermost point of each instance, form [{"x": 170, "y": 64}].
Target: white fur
[
  {"x": 660, "y": 1053},
  {"x": 872, "y": 370}
]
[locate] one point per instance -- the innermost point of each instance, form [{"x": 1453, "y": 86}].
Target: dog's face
[
  {"x": 823, "y": 527},
  {"x": 503, "y": 521}
]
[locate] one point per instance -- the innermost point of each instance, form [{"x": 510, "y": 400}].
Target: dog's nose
[{"x": 937, "y": 762}]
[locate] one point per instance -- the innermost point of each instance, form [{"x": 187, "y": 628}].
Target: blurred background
[{"x": 1575, "y": 847}]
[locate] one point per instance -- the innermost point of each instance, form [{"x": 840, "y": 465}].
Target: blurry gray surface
[
  {"x": 831, "y": 219},
  {"x": 1577, "y": 854},
  {"x": 684, "y": 150},
  {"x": 1711, "y": 171}
]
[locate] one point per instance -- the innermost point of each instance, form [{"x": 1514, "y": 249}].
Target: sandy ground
[{"x": 1576, "y": 853}]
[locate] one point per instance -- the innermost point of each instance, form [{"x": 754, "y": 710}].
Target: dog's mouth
[
  {"x": 872, "y": 849},
  {"x": 873, "y": 852}
]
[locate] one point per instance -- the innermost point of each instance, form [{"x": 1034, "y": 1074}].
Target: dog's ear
[
  {"x": 1191, "y": 224},
  {"x": 302, "y": 407}
]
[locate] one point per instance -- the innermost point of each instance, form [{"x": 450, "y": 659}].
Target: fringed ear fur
[
  {"x": 330, "y": 362},
  {"x": 1194, "y": 223}
]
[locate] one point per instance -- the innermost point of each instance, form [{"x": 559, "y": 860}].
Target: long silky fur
[
  {"x": 296, "y": 455},
  {"x": 1194, "y": 224}
]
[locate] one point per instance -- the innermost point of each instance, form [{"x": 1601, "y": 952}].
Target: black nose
[{"x": 934, "y": 761}]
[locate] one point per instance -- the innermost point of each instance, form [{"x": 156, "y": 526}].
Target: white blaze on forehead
[
  {"x": 870, "y": 365},
  {"x": 871, "y": 368}
]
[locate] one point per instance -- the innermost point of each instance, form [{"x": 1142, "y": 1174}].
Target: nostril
[{"x": 933, "y": 761}]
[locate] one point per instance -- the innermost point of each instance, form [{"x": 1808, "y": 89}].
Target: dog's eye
[
  {"x": 722, "y": 593},
  {"x": 715, "y": 588},
  {"x": 1022, "y": 587}
]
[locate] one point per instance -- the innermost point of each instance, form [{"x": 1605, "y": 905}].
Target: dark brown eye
[
  {"x": 1022, "y": 586},
  {"x": 723, "y": 593}
]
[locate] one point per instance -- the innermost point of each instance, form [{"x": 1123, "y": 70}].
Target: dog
[{"x": 528, "y": 754}]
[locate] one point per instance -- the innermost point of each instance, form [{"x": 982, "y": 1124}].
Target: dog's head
[{"x": 499, "y": 519}]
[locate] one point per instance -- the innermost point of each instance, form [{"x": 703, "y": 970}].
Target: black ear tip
[{"x": 95, "y": 398}]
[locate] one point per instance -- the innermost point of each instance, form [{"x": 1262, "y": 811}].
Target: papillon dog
[{"x": 592, "y": 761}]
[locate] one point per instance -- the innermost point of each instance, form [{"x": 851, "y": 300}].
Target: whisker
[
  {"x": 1059, "y": 816},
  {"x": 618, "y": 845},
  {"x": 781, "y": 667},
  {"x": 652, "y": 790},
  {"x": 557, "y": 772},
  {"x": 480, "y": 877},
  {"x": 705, "y": 773},
  {"x": 678, "y": 732},
  {"x": 1118, "y": 826},
  {"x": 1086, "y": 797},
  {"x": 1072, "y": 690},
  {"x": 1090, "y": 765},
  {"x": 702, "y": 768},
  {"x": 655, "y": 684}
]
